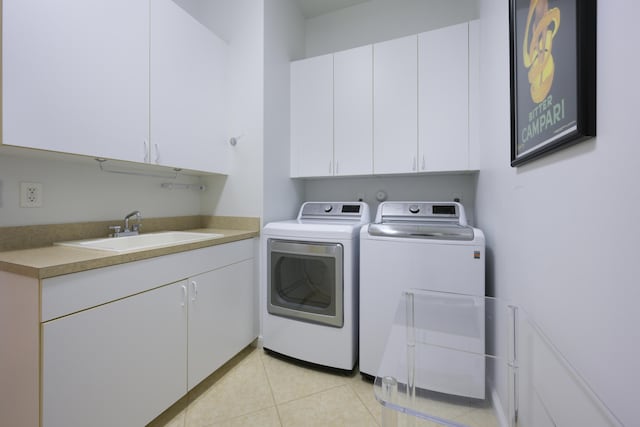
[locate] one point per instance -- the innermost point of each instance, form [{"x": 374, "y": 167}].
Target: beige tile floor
[{"x": 257, "y": 389}]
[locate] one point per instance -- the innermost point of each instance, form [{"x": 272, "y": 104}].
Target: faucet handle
[{"x": 115, "y": 229}]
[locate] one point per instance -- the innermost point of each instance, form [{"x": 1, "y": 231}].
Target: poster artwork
[{"x": 546, "y": 74}]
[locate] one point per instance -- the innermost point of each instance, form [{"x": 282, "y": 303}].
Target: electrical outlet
[{"x": 30, "y": 195}]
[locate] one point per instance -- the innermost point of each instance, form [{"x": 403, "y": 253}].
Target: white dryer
[
  {"x": 312, "y": 284},
  {"x": 429, "y": 246}
]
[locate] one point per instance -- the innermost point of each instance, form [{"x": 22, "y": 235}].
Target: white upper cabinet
[
  {"x": 331, "y": 114},
  {"x": 444, "y": 99},
  {"x": 122, "y": 79},
  {"x": 395, "y": 106},
  {"x": 353, "y": 111},
  {"x": 312, "y": 117},
  {"x": 474, "y": 94},
  {"x": 188, "y": 92},
  {"x": 76, "y": 76}
]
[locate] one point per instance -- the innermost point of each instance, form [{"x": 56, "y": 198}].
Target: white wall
[
  {"x": 371, "y": 22},
  {"x": 241, "y": 24},
  {"x": 561, "y": 231},
  {"x": 282, "y": 196},
  {"x": 427, "y": 187},
  {"x": 284, "y": 40},
  {"x": 379, "y": 20},
  {"x": 74, "y": 190},
  {"x": 263, "y": 37}
]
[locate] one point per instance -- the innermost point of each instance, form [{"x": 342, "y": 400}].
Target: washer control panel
[{"x": 452, "y": 212}]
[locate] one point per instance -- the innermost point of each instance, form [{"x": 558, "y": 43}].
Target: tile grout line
[
  {"x": 223, "y": 373},
  {"x": 278, "y": 404},
  {"x": 375, "y": 419},
  {"x": 266, "y": 374},
  {"x": 306, "y": 396}
]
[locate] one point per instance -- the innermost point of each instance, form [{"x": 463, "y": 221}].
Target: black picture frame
[{"x": 553, "y": 81}]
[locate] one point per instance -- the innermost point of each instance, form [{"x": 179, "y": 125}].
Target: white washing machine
[
  {"x": 312, "y": 283},
  {"x": 429, "y": 246}
]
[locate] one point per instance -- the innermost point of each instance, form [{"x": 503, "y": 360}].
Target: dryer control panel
[{"x": 354, "y": 211}]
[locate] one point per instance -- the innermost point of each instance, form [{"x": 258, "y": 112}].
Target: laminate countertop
[{"x": 51, "y": 261}]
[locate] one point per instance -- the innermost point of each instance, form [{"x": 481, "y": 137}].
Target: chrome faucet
[
  {"x": 136, "y": 227},
  {"x": 127, "y": 231}
]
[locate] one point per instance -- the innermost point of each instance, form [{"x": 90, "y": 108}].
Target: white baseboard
[{"x": 499, "y": 410}]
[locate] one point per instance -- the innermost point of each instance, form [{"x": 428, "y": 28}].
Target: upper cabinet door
[
  {"x": 353, "y": 111},
  {"x": 474, "y": 94},
  {"x": 188, "y": 92},
  {"x": 444, "y": 99},
  {"x": 76, "y": 76},
  {"x": 312, "y": 117},
  {"x": 395, "y": 106}
]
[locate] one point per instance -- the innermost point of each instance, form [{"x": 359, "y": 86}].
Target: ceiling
[{"x": 313, "y": 8}]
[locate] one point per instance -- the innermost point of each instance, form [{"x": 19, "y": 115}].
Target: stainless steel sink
[{"x": 142, "y": 241}]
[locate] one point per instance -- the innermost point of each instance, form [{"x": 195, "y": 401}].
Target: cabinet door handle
[
  {"x": 424, "y": 164},
  {"x": 337, "y": 168},
  {"x": 413, "y": 167},
  {"x": 194, "y": 286},
  {"x": 157, "y": 154},
  {"x": 184, "y": 296},
  {"x": 330, "y": 169},
  {"x": 146, "y": 151}
]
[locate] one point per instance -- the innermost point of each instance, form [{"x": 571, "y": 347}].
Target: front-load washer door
[{"x": 305, "y": 281}]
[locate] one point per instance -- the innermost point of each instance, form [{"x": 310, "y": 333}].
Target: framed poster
[{"x": 553, "y": 75}]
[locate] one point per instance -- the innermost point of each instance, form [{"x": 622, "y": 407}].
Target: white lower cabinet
[
  {"x": 120, "y": 358},
  {"x": 222, "y": 318},
  {"x": 119, "y": 364}
]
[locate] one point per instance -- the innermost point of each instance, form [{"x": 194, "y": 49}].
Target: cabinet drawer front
[{"x": 70, "y": 293}]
